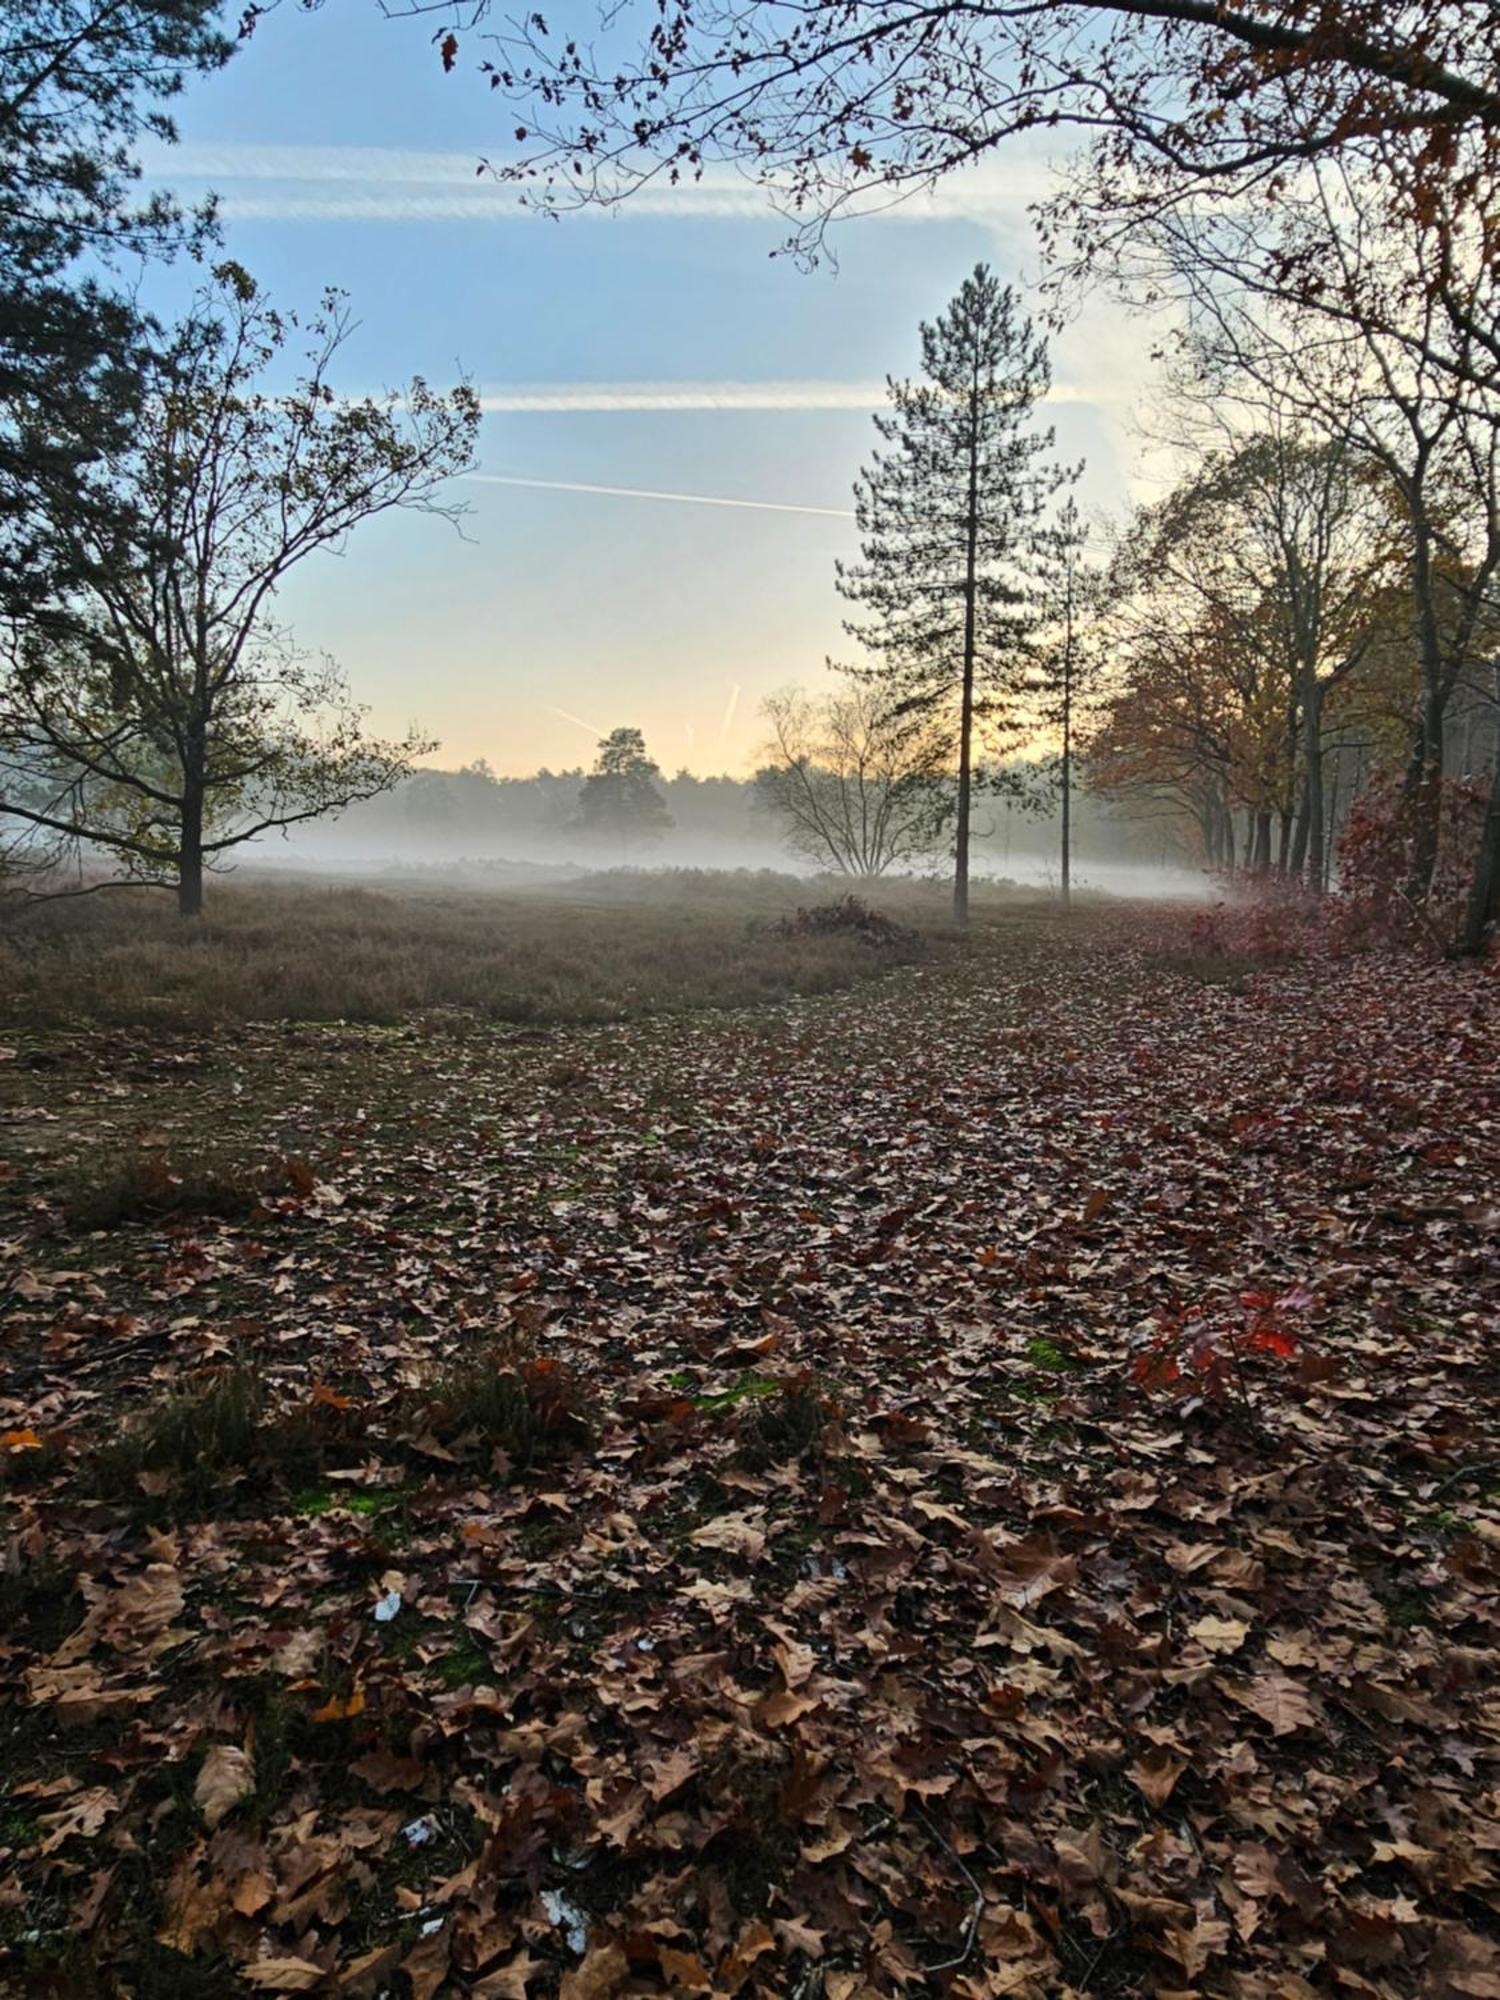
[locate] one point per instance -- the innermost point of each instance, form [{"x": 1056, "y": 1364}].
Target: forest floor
[{"x": 990, "y": 1488}]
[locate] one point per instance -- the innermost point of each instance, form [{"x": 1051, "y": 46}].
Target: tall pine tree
[{"x": 950, "y": 519}]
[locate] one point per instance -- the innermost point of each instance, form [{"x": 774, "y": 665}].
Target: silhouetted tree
[
  {"x": 619, "y": 798},
  {"x": 949, "y": 520},
  {"x": 156, "y": 714},
  {"x": 80, "y": 81}
]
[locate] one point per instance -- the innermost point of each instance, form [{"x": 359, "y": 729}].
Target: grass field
[{"x": 603, "y": 948}]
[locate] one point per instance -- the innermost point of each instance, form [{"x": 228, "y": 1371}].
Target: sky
[{"x": 673, "y": 418}]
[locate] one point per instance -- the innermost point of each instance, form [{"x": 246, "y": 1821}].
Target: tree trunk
[
  {"x": 1262, "y": 858},
  {"x": 1312, "y": 761},
  {"x": 190, "y": 846},
  {"x": 1484, "y": 896},
  {"x": 1067, "y": 783},
  {"x": 966, "y": 692},
  {"x": 1299, "y": 839},
  {"x": 190, "y": 860},
  {"x": 1333, "y": 824}
]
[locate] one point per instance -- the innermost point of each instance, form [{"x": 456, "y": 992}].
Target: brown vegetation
[{"x": 604, "y": 948}]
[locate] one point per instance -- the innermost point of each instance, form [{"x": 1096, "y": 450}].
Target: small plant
[
  {"x": 503, "y": 1395},
  {"x": 783, "y": 1428},
  {"x": 149, "y": 1187},
  {"x": 1190, "y": 1352},
  {"x": 212, "y": 1428}
]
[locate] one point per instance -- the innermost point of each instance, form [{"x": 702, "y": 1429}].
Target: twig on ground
[
  {"x": 1465, "y": 1472},
  {"x": 971, "y": 1928}
]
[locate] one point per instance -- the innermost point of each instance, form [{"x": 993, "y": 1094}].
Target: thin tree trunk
[
  {"x": 1262, "y": 860},
  {"x": 1299, "y": 838},
  {"x": 1484, "y": 896},
  {"x": 1331, "y": 845},
  {"x": 966, "y": 694},
  {"x": 1312, "y": 759},
  {"x": 1067, "y": 775}
]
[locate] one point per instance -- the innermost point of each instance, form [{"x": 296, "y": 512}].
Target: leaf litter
[{"x": 1005, "y": 1503}]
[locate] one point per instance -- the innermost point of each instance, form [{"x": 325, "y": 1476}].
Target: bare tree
[
  {"x": 856, "y": 788},
  {"x": 152, "y": 712}
]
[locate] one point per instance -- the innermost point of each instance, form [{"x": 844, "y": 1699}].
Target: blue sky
[{"x": 661, "y": 349}]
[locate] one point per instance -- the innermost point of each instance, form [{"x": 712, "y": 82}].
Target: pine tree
[
  {"x": 949, "y": 519},
  {"x": 1065, "y": 665}
]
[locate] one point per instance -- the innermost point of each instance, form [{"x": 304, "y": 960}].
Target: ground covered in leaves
[{"x": 983, "y": 1486}]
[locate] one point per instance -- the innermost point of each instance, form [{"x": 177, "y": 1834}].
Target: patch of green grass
[
  {"x": 749, "y": 1387},
  {"x": 1043, "y": 1352},
  {"x": 467, "y": 1665}
]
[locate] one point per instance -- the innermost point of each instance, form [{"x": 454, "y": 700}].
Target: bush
[
  {"x": 1277, "y": 921},
  {"x": 1375, "y": 863},
  {"x": 848, "y": 917}
]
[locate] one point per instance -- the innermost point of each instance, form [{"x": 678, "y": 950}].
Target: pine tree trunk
[
  {"x": 1067, "y": 790},
  {"x": 966, "y": 693}
]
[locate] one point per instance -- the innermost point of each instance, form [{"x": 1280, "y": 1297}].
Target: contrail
[
  {"x": 577, "y": 721},
  {"x": 734, "y": 702},
  {"x": 567, "y": 397},
  {"x": 651, "y": 493}
]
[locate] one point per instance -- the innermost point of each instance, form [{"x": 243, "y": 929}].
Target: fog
[{"x": 470, "y": 829}]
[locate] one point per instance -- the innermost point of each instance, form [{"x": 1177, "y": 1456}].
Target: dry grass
[{"x": 602, "y": 948}]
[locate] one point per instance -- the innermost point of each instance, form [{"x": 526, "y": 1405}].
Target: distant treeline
[{"x": 473, "y": 811}]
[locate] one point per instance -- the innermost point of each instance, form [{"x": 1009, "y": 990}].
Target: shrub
[
  {"x": 509, "y": 1398},
  {"x": 1376, "y": 857},
  {"x": 1277, "y": 921},
  {"x": 848, "y": 917},
  {"x": 149, "y": 1187}
]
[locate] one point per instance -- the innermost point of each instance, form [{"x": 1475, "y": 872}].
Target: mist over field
[{"x": 468, "y": 826}]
